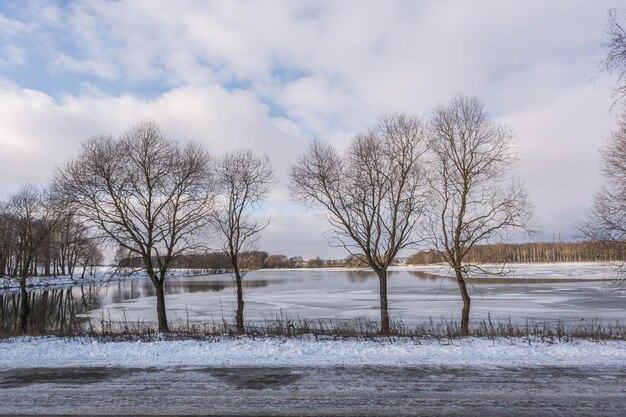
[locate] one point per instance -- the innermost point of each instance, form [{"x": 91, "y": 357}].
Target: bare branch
[
  {"x": 373, "y": 194},
  {"x": 243, "y": 180},
  {"x": 144, "y": 192},
  {"x": 614, "y": 61},
  {"x": 475, "y": 198},
  {"x": 606, "y": 221}
]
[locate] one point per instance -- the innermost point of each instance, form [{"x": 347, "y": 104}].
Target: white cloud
[
  {"x": 11, "y": 27},
  {"x": 11, "y": 55},
  {"x": 38, "y": 133},
  {"x": 269, "y": 75},
  {"x": 101, "y": 69},
  {"x": 559, "y": 141}
]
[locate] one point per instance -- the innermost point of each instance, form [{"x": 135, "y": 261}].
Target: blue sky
[{"x": 271, "y": 76}]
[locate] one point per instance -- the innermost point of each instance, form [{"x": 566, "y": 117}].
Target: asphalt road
[{"x": 331, "y": 391}]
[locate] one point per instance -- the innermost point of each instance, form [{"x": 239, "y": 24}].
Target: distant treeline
[
  {"x": 494, "y": 253},
  {"x": 252, "y": 260},
  {"x": 209, "y": 261},
  {"x": 532, "y": 252}
]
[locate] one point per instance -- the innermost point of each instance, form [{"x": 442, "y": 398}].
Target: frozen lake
[{"x": 570, "y": 293}]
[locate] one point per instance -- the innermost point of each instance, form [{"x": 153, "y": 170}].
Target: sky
[{"x": 271, "y": 76}]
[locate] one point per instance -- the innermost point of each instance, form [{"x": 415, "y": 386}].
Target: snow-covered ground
[
  {"x": 55, "y": 352},
  {"x": 563, "y": 270}
]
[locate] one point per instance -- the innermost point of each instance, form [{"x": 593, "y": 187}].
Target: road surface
[{"x": 315, "y": 391}]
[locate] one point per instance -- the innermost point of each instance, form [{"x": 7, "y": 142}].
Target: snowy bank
[
  {"x": 561, "y": 270},
  {"x": 55, "y": 352}
]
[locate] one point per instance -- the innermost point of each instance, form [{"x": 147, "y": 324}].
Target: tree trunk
[
  {"x": 62, "y": 263},
  {"x": 384, "y": 312},
  {"x": 161, "y": 314},
  {"x": 47, "y": 267},
  {"x": 239, "y": 316},
  {"x": 25, "y": 306},
  {"x": 466, "y": 304}
]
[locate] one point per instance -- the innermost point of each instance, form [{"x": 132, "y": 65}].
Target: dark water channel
[{"x": 316, "y": 294}]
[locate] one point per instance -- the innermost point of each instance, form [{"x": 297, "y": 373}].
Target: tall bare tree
[
  {"x": 243, "y": 181},
  {"x": 475, "y": 198},
  {"x": 67, "y": 242},
  {"x": 373, "y": 194},
  {"x": 614, "y": 61},
  {"x": 7, "y": 252},
  {"x": 33, "y": 215},
  {"x": 606, "y": 222},
  {"x": 89, "y": 256},
  {"x": 146, "y": 193}
]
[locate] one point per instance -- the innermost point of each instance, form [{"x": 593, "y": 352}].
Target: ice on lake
[{"x": 570, "y": 293}]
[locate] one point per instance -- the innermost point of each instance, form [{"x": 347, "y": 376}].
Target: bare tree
[
  {"x": 474, "y": 196},
  {"x": 615, "y": 60},
  {"x": 144, "y": 192},
  {"x": 89, "y": 256},
  {"x": 606, "y": 222},
  {"x": 373, "y": 194},
  {"x": 67, "y": 243},
  {"x": 243, "y": 180},
  {"x": 33, "y": 215},
  {"x": 7, "y": 250}
]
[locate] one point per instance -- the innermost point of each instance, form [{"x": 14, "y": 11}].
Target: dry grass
[{"x": 284, "y": 326}]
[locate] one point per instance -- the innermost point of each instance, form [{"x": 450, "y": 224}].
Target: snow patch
[{"x": 56, "y": 352}]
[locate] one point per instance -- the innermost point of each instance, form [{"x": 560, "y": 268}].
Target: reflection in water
[
  {"x": 426, "y": 276},
  {"x": 361, "y": 276},
  {"x": 131, "y": 290},
  {"x": 127, "y": 291},
  {"x": 51, "y": 310},
  {"x": 56, "y": 309}
]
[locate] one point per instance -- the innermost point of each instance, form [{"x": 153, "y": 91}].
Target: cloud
[
  {"x": 11, "y": 28},
  {"x": 560, "y": 139},
  {"x": 39, "y": 131},
  {"x": 102, "y": 70},
  {"x": 270, "y": 75}
]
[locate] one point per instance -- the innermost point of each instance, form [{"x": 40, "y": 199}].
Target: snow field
[{"x": 296, "y": 352}]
